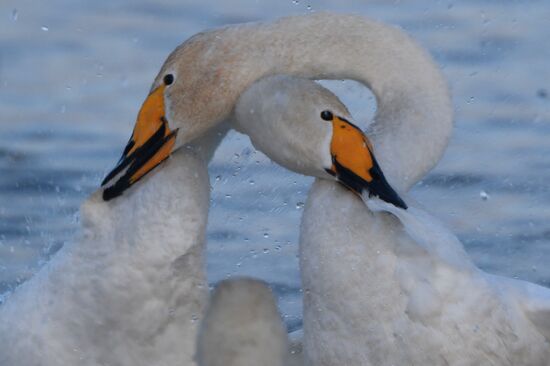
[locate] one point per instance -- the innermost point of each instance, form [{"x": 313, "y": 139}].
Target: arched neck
[{"x": 414, "y": 117}]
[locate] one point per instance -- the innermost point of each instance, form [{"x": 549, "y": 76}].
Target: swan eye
[
  {"x": 168, "y": 79},
  {"x": 327, "y": 115}
]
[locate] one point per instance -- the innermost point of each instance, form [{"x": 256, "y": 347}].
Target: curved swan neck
[
  {"x": 414, "y": 116},
  {"x": 205, "y": 146}
]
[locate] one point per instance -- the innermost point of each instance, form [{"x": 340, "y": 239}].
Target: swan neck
[
  {"x": 205, "y": 146},
  {"x": 414, "y": 116}
]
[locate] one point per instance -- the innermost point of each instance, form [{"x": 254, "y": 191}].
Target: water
[{"x": 73, "y": 75}]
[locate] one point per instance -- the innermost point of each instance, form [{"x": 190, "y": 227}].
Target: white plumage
[
  {"x": 242, "y": 327},
  {"x": 129, "y": 290},
  {"x": 388, "y": 289}
]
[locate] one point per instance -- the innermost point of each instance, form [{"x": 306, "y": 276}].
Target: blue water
[{"x": 74, "y": 73}]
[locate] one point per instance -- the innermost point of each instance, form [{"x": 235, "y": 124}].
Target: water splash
[{"x": 484, "y": 196}]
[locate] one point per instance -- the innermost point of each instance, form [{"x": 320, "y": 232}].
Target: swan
[
  {"x": 242, "y": 327},
  {"x": 129, "y": 289},
  {"x": 383, "y": 289}
]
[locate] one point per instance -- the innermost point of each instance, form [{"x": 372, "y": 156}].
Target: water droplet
[
  {"x": 299, "y": 205},
  {"x": 227, "y": 196},
  {"x": 266, "y": 250},
  {"x": 14, "y": 15},
  {"x": 218, "y": 178},
  {"x": 194, "y": 318},
  {"x": 44, "y": 28},
  {"x": 266, "y": 235},
  {"x": 484, "y": 195},
  {"x": 251, "y": 182},
  {"x": 295, "y": 2},
  {"x": 309, "y": 7}
]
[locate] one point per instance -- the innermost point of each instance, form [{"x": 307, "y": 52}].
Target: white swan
[
  {"x": 374, "y": 293},
  {"x": 129, "y": 290},
  {"x": 242, "y": 327}
]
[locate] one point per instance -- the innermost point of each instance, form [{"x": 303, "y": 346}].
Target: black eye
[
  {"x": 168, "y": 79},
  {"x": 327, "y": 115}
]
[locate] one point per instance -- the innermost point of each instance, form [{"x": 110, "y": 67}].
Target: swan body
[
  {"x": 242, "y": 327},
  {"x": 379, "y": 288},
  {"x": 129, "y": 289}
]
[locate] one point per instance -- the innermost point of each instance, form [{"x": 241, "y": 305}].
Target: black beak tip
[
  {"x": 109, "y": 194},
  {"x": 386, "y": 193},
  {"x": 402, "y": 204},
  {"x": 392, "y": 198}
]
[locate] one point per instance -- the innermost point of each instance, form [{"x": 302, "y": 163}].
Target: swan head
[
  {"x": 189, "y": 96},
  {"x": 306, "y": 128}
]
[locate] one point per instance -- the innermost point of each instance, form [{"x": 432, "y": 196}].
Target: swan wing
[
  {"x": 296, "y": 356},
  {"x": 533, "y": 299}
]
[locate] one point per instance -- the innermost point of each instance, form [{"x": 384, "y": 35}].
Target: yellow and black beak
[
  {"x": 151, "y": 143},
  {"x": 354, "y": 164}
]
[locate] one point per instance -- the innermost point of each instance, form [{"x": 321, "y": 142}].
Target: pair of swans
[{"x": 376, "y": 292}]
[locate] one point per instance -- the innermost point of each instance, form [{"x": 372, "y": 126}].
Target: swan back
[{"x": 242, "y": 327}]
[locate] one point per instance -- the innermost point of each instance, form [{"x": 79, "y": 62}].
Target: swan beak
[
  {"x": 354, "y": 164},
  {"x": 151, "y": 143}
]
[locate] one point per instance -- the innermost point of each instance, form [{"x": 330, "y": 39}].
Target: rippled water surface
[{"x": 74, "y": 73}]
